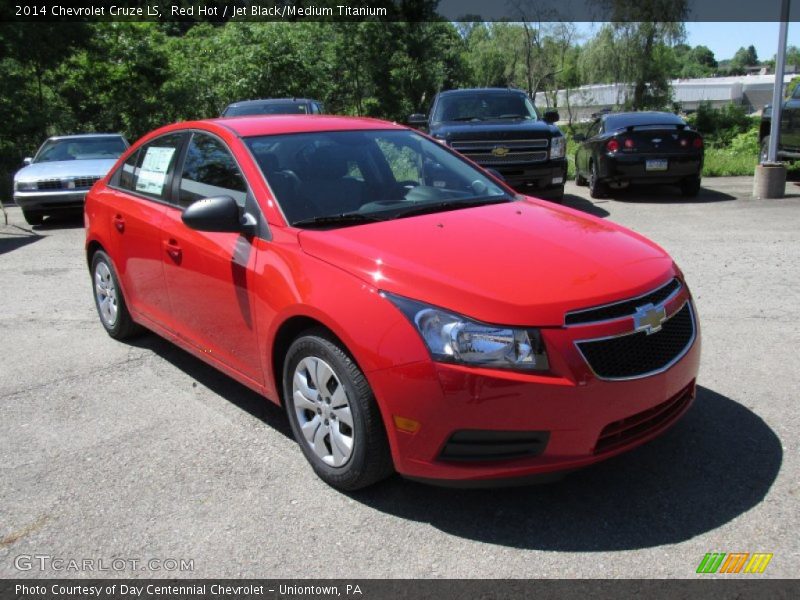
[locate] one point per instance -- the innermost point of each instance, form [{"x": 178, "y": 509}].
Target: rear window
[
  {"x": 271, "y": 108},
  {"x": 644, "y": 119}
]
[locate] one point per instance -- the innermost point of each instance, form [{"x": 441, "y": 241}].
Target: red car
[{"x": 408, "y": 309}]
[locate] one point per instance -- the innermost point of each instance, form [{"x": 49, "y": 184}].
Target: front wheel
[
  {"x": 109, "y": 300},
  {"x": 333, "y": 413}
]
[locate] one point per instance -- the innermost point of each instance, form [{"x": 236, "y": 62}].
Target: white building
[{"x": 750, "y": 91}]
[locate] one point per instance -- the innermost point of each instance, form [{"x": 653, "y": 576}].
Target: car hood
[
  {"x": 65, "y": 168},
  {"x": 521, "y": 263},
  {"x": 494, "y": 130}
]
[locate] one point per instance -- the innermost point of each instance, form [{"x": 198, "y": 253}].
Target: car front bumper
[
  {"x": 578, "y": 418},
  {"x": 535, "y": 179},
  {"x": 50, "y": 200}
]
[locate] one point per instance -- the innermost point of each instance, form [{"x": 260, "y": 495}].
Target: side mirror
[
  {"x": 497, "y": 174},
  {"x": 27, "y": 160},
  {"x": 578, "y": 137},
  {"x": 551, "y": 116},
  {"x": 418, "y": 120},
  {"x": 219, "y": 213}
]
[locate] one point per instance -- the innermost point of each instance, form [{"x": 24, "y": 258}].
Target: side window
[
  {"x": 314, "y": 108},
  {"x": 127, "y": 173},
  {"x": 594, "y": 129},
  {"x": 209, "y": 170},
  {"x": 149, "y": 170}
]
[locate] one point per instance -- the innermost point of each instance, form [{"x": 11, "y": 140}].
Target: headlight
[
  {"x": 456, "y": 339},
  {"x": 25, "y": 186},
  {"x": 558, "y": 147}
]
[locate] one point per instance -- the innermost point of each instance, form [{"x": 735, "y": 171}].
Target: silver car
[{"x": 63, "y": 170}]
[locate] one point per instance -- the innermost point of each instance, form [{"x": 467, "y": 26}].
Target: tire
[
  {"x": 597, "y": 188},
  {"x": 690, "y": 187},
  {"x": 109, "y": 301},
  {"x": 558, "y": 197},
  {"x": 580, "y": 180},
  {"x": 347, "y": 456},
  {"x": 33, "y": 217}
]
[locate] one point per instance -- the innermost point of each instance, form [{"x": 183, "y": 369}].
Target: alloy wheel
[
  {"x": 106, "y": 294},
  {"x": 323, "y": 411}
]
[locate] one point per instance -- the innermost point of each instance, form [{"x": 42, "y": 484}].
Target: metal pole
[{"x": 777, "y": 90}]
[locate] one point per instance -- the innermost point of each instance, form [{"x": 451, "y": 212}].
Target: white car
[{"x": 62, "y": 171}]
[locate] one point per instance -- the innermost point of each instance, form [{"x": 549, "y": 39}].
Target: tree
[{"x": 744, "y": 57}]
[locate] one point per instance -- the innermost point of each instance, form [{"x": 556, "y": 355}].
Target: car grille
[
  {"x": 85, "y": 182},
  {"x": 63, "y": 184},
  {"x": 631, "y": 428},
  {"x": 469, "y": 445},
  {"x": 622, "y": 309},
  {"x": 639, "y": 354},
  {"x": 518, "y": 151},
  {"x": 48, "y": 184},
  {"x": 511, "y": 158}
]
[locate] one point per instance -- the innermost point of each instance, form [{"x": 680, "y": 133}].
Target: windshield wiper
[
  {"x": 342, "y": 219},
  {"x": 509, "y": 116},
  {"x": 449, "y": 205},
  {"x": 466, "y": 119}
]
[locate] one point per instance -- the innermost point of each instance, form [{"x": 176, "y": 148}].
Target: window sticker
[{"x": 153, "y": 172}]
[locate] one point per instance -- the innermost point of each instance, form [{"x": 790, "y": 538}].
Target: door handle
[
  {"x": 174, "y": 250},
  {"x": 119, "y": 223}
]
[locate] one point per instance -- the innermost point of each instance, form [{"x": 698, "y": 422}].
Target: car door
[
  {"x": 790, "y": 122},
  {"x": 137, "y": 198},
  {"x": 584, "y": 151},
  {"x": 209, "y": 275}
]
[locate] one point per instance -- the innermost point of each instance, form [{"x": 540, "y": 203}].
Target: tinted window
[
  {"x": 127, "y": 173},
  {"x": 210, "y": 170},
  {"x": 483, "y": 106},
  {"x": 267, "y": 108},
  {"x": 89, "y": 148},
  {"x": 149, "y": 170}
]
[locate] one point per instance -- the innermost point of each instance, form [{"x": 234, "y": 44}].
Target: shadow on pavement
[
  {"x": 667, "y": 194},
  {"x": 585, "y": 205},
  {"x": 717, "y": 463},
  {"x": 13, "y": 237},
  {"x": 219, "y": 383}
]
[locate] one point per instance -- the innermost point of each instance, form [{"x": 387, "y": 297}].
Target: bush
[{"x": 719, "y": 126}]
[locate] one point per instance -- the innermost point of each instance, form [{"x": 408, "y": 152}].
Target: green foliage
[
  {"x": 791, "y": 86},
  {"x": 726, "y": 162},
  {"x": 719, "y": 126}
]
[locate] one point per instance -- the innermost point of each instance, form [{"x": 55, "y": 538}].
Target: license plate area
[{"x": 656, "y": 164}]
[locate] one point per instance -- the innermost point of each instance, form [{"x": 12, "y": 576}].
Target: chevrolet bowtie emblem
[
  {"x": 649, "y": 318},
  {"x": 500, "y": 151}
]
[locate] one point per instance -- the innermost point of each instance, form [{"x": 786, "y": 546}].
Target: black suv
[
  {"x": 789, "y": 138},
  {"x": 500, "y": 129}
]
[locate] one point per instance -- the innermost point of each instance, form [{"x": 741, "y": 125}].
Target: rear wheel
[
  {"x": 580, "y": 180},
  {"x": 109, "y": 300},
  {"x": 333, "y": 413},
  {"x": 597, "y": 188},
  {"x": 690, "y": 187},
  {"x": 33, "y": 217}
]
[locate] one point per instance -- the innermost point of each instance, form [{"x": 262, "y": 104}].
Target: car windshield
[
  {"x": 81, "y": 149},
  {"x": 483, "y": 107},
  {"x": 339, "y": 178},
  {"x": 267, "y": 108}
]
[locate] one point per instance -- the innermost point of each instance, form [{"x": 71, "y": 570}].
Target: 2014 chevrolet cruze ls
[{"x": 410, "y": 311}]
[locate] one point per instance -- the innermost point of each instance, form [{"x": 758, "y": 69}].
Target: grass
[{"x": 725, "y": 162}]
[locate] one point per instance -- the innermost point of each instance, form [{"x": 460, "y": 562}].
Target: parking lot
[{"x": 140, "y": 451}]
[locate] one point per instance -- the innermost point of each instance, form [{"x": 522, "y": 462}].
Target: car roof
[
  {"x": 482, "y": 90},
  {"x": 78, "y": 136},
  {"x": 638, "y": 118},
  {"x": 255, "y": 125}
]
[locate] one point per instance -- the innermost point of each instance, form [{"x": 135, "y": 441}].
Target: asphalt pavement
[{"x": 139, "y": 452}]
